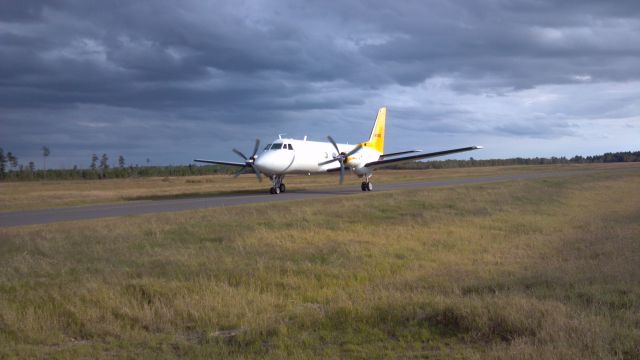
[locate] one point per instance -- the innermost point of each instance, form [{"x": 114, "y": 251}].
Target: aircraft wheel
[
  {"x": 272, "y": 190},
  {"x": 363, "y": 186},
  {"x": 282, "y": 188},
  {"x": 276, "y": 190},
  {"x": 369, "y": 186}
]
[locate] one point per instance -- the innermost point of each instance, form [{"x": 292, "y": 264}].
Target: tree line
[
  {"x": 99, "y": 168},
  {"x": 12, "y": 170},
  {"x": 626, "y": 156}
]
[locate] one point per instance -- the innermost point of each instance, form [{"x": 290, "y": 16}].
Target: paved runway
[{"x": 46, "y": 216}]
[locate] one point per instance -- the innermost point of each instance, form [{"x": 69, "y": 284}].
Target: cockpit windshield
[
  {"x": 267, "y": 147},
  {"x": 276, "y": 146}
]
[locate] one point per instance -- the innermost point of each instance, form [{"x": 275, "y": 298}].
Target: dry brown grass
[
  {"x": 45, "y": 194},
  {"x": 522, "y": 269}
]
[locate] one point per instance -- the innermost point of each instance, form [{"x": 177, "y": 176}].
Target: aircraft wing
[
  {"x": 381, "y": 163},
  {"x": 221, "y": 162},
  {"x": 337, "y": 169},
  {"x": 383, "y": 156}
]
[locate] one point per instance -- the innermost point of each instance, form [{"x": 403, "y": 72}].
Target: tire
[
  {"x": 369, "y": 186},
  {"x": 363, "y": 186},
  {"x": 272, "y": 190},
  {"x": 276, "y": 190},
  {"x": 282, "y": 188}
]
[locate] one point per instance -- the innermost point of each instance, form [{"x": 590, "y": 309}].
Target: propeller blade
[
  {"x": 328, "y": 161},
  {"x": 355, "y": 150},
  {"x": 257, "y": 172},
  {"x": 341, "y": 171},
  {"x": 240, "y": 172},
  {"x": 255, "y": 148},
  {"x": 333, "y": 142},
  {"x": 239, "y": 153}
]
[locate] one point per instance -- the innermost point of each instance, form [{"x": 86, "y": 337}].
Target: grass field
[
  {"x": 522, "y": 269},
  {"x": 45, "y": 194}
]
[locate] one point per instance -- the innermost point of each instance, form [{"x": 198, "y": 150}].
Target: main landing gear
[
  {"x": 367, "y": 185},
  {"x": 278, "y": 186}
]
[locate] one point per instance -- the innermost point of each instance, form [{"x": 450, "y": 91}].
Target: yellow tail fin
[{"x": 376, "y": 140}]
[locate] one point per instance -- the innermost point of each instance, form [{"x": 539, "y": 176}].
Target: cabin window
[{"x": 276, "y": 146}]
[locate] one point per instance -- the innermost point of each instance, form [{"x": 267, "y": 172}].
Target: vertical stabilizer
[{"x": 376, "y": 140}]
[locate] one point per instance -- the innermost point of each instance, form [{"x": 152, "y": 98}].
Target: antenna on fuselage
[{"x": 280, "y": 136}]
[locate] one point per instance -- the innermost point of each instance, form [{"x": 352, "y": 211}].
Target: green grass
[{"x": 522, "y": 269}]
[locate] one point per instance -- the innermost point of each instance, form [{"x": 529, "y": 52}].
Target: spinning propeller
[
  {"x": 248, "y": 161},
  {"x": 341, "y": 157}
]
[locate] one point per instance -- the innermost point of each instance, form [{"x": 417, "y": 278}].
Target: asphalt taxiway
[{"x": 45, "y": 216}]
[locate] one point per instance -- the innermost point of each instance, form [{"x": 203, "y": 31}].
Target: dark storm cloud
[
  {"x": 23, "y": 11},
  {"x": 513, "y": 46},
  {"x": 121, "y": 72}
]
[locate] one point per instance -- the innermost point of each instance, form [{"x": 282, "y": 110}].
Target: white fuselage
[{"x": 288, "y": 156}]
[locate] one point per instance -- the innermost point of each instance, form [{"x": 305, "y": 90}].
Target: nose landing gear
[{"x": 278, "y": 186}]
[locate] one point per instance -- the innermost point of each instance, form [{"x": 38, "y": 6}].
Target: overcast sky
[{"x": 175, "y": 80}]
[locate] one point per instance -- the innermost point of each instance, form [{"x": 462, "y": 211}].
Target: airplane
[{"x": 290, "y": 156}]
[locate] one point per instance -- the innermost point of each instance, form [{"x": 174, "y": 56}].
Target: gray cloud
[{"x": 191, "y": 78}]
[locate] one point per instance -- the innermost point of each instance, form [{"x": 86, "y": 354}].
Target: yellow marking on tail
[{"x": 376, "y": 140}]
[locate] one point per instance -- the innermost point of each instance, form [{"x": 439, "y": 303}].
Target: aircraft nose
[
  {"x": 264, "y": 163},
  {"x": 274, "y": 162}
]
